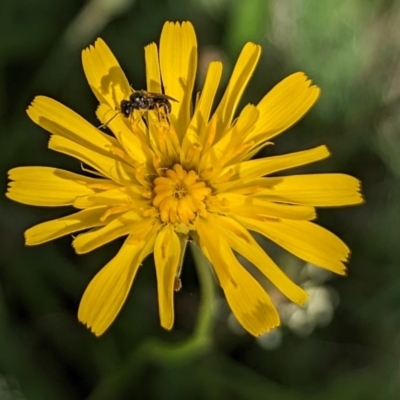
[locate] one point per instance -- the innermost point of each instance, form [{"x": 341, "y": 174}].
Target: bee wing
[
  {"x": 152, "y": 94},
  {"x": 171, "y": 98}
]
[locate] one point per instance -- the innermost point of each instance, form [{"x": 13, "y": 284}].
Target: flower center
[{"x": 179, "y": 195}]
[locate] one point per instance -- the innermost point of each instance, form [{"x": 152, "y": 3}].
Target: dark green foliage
[{"x": 351, "y": 49}]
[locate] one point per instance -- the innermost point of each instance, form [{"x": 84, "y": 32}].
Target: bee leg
[
  {"x": 135, "y": 120},
  {"x": 106, "y": 123},
  {"x": 162, "y": 114}
]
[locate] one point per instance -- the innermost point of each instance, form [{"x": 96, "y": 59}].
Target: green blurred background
[{"x": 346, "y": 344}]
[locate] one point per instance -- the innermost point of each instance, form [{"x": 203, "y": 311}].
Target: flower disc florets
[{"x": 180, "y": 195}]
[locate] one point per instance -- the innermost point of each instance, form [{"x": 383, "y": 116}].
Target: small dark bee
[{"x": 144, "y": 101}]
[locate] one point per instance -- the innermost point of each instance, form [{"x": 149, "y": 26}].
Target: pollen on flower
[{"x": 180, "y": 195}]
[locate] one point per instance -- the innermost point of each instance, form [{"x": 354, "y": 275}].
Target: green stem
[
  {"x": 207, "y": 290},
  {"x": 166, "y": 354}
]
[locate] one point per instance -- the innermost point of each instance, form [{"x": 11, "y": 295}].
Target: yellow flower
[{"x": 162, "y": 180}]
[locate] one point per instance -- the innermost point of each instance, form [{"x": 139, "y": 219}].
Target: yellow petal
[
  {"x": 283, "y": 106},
  {"x": 203, "y": 108},
  {"x": 120, "y": 126},
  {"x": 112, "y": 197},
  {"x": 243, "y": 243},
  {"x": 46, "y": 186},
  {"x": 231, "y": 145},
  {"x": 128, "y": 223},
  {"x": 54, "y": 229},
  {"x": 231, "y": 203},
  {"x": 108, "y": 290},
  {"x": 319, "y": 190},
  {"x": 240, "y": 77},
  {"x": 153, "y": 75},
  {"x": 104, "y": 74},
  {"x": 253, "y": 169},
  {"x": 306, "y": 240},
  {"x": 109, "y": 165},
  {"x": 248, "y": 301},
  {"x": 198, "y": 136},
  {"x": 60, "y": 120},
  {"x": 178, "y": 62},
  {"x": 167, "y": 253}
]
